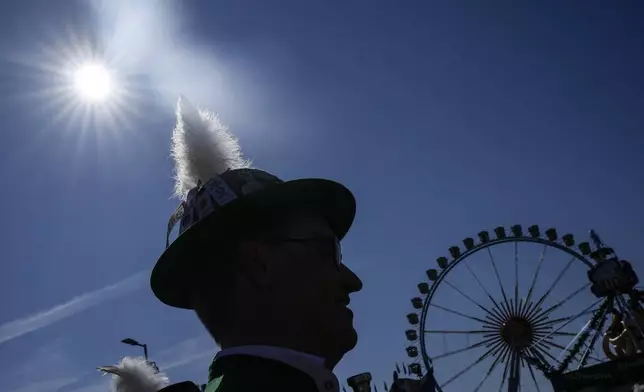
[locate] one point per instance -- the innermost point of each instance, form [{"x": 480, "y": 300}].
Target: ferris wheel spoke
[
  {"x": 534, "y": 379},
  {"x": 485, "y": 342},
  {"x": 473, "y": 332},
  {"x": 498, "y": 316},
  {"x": 550, "y": 335},
  {"x": 476, "y": 278},
  {"x": 506, "y": 355},
  {"x": 505, "y": 374},
  {"x": 516, "y": 278},
  {"x": 558, "y": 333},
  {"x": 550, "y": 323},
  {"x": 460, "y": 314},
  {"x": 470, "y": 366},
  {"x": 550, "y": 343},
  {"x": 492, "y": 315},
  {"x": 518, "y": 307},
  {"x": 536, "y": 305},
  {"x": 571, "y": 319},
  {"x": 541, "y": 357},
  {"x": 498, "y": 279},
  {"x": 554, "y": 307},
  {"x": 534, "y": 281},
  {"x": 501, "y": 354},
  {"x": 543, "y": 352}
]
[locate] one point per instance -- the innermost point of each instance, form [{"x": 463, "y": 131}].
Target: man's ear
[{"x": 253, "y": 263}]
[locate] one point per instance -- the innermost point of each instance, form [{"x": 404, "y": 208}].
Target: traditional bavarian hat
[{"x": 219, "y": 192}]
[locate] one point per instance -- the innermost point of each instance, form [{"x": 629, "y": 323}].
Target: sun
[{"x": 93, "y": 82}]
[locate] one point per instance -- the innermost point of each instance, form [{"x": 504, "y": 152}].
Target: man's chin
[
  {"x": 354, "y": 341},
  {"x": 349, "y": 339},
  {"x": 346, "y": 340}
]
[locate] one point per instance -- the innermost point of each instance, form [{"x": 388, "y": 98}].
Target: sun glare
[{"x": 93, "y": 82}]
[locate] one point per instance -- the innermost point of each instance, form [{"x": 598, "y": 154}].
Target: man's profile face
[{"x": 311, "y": 285}]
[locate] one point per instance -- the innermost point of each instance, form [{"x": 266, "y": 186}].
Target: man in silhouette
[{"x": 259, "y": 261}]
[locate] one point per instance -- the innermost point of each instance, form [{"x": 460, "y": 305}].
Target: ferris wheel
[{"x": 513, "y": 311}]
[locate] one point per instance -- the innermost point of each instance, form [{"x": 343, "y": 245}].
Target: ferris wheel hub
[{"x": 518, "y": 333}]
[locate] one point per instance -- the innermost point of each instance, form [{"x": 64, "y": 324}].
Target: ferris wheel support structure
[{"x": 516, "y": 329}]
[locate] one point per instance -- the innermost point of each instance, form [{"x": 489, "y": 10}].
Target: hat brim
[{"x": 175, "y": 271}]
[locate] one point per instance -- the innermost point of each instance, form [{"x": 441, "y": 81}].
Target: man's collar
[
  {"x": 271, "y": 351},
  {"x": 312, "y": 365}
]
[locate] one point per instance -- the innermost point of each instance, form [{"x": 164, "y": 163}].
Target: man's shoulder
[{"x": 240, "y": 373}]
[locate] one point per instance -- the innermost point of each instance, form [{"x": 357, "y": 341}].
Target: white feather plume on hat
[
  {"x": 202, "y": 148},
  {"x": 135, "y": 375}
]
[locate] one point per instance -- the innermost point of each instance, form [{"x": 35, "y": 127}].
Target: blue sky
[{"x": 443, "y": 118}]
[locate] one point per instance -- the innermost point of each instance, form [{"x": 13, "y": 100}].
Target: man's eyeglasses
[{"x": 325, "y": 246}]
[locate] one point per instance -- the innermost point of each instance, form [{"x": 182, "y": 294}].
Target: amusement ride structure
[{"x": 515, "y": 334}]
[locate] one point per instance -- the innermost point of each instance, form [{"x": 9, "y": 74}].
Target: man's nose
[{"x": 350, "y": 280}]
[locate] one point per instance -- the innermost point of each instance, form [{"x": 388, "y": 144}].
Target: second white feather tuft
[
  {"x": 135, "y": 375},
  {"x": 202, "y": 148}
]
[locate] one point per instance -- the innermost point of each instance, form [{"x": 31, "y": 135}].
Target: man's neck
[
  {"x": 274, "y": 351},
  {"x": 271, "y": 343}
]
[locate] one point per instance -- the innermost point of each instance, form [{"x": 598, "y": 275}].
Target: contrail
[{"x": 16, "y": 328}]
